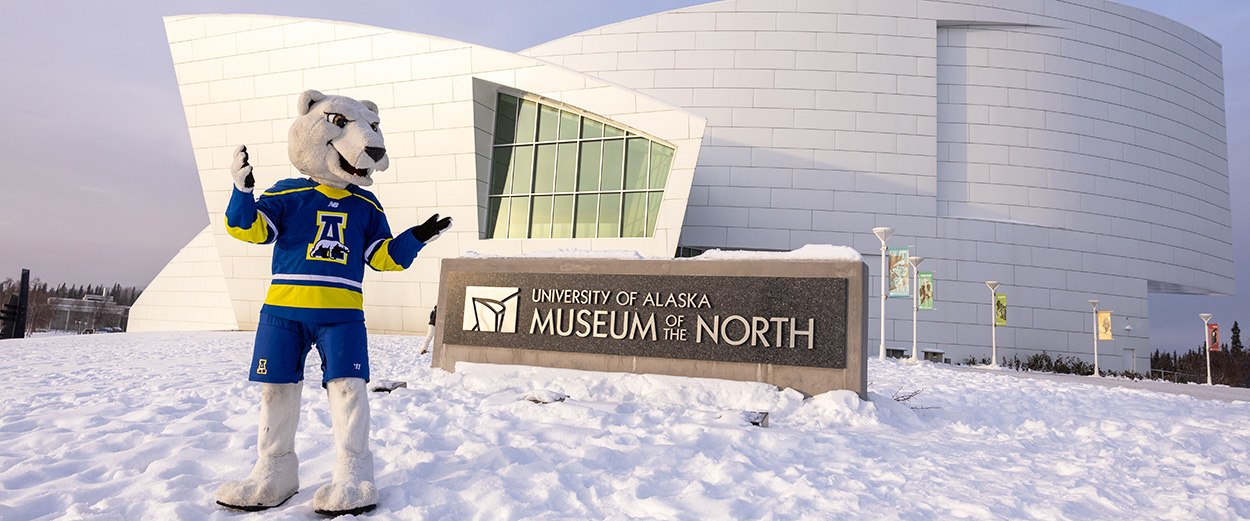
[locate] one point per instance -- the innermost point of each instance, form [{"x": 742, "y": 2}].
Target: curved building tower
[{"x": 1070, "y": 150}]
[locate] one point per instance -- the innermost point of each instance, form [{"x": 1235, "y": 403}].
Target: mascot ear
[
  {"x": 307, "y": 99},
  {"x": 373, "y": 107}
]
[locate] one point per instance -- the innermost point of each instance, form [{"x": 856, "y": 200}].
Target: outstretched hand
[
  {"x": 429, "y": 230},
  {"x": 241, "y": 171}
]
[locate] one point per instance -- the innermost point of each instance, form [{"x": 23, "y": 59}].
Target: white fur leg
[
  {"x": 276, "y": 476},
  {"x": 352, "y": 490}
]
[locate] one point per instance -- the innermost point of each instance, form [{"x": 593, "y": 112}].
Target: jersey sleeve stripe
[
  {"x": 372, "y": 247},
  {"x": 257, "y": 232},
  {"x": 381, "y": 259}
]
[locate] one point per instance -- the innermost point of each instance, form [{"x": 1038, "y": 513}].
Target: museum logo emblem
[{"x": 490, "y": 309}]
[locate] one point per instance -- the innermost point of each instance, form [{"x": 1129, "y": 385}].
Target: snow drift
[{"x": 146, "y": 426}]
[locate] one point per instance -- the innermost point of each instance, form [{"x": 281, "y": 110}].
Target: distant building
[
  {"x": 90, "y": 312},
  {"x": 1071, "y": 150}
]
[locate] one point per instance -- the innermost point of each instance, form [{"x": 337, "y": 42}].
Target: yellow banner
[
  {"x": 1104, "y": 325},
  {"x": 1000, "y": 309}
]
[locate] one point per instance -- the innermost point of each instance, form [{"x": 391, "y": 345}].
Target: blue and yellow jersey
[{"x": 323, "y": 238}]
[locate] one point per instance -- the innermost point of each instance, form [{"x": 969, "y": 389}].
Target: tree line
[
  {"x": 1229, "y": 366},
  {"x": 39, "y": 313}
]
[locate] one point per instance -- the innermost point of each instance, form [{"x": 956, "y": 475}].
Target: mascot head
[{"x": 336, "y": 141}]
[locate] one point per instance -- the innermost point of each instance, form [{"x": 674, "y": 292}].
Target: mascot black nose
[{"x": 375, "y": 152}]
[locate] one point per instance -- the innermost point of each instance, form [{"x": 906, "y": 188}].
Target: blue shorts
[{"x": 282, "y": 345}]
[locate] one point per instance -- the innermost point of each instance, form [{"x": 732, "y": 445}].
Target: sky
[{"x": 98, "y": 183}]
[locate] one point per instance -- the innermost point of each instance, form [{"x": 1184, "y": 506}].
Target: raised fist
[
  {"x": 429, "y": 230},
  {"x": 241, "y": 171}
]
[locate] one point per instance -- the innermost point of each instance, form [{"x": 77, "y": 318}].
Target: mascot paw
[
  {"x": 346, "y": 497},
  {"x": 241, "y": 171},
  {"x": 432, "y": 228},
  {"x": 270, "y": 485}
]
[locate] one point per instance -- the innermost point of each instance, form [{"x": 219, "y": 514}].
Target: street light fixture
[
  {"x": 1094, "y": 303},
  {"x": 915, "y": 287},
  {"x": 883, "y": 233},
  {"x": 993, "y": 284},
  {"x": 1206, "y": 334}
]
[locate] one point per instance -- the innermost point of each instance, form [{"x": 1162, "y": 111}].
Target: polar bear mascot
[{"x": 325, "y": 229}]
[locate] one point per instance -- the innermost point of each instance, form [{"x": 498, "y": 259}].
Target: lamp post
[
  {"x": 915, "y": 287},
  {"x": 993, "y": 284},
  {"x": 883, "y": 233},
  {"x": 1094, "y": 303},
  {"x": 1128, "y": 329},
  {"x": 1206, "y": 334}
]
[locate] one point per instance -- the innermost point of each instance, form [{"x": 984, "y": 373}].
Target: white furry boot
[
  {"x": 276, "y": 476},
  {"x": 352, "y": 491}
]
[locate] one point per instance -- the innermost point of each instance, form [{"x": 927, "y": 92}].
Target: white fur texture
[
  {"x": 334, "y": 131},
  {"x": 276, "y": 475},
  {"x": 240, "y": 169},
  {"x": 352, "y": 487}
]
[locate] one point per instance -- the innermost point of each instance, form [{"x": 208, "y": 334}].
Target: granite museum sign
[{"x": 798, "y": 324}]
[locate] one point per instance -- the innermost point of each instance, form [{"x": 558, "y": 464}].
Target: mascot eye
[
  {"x": 337, "y": 119},
  {"x": 374, "y": 126}
]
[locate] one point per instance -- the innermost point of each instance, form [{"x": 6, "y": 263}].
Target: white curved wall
[
  {"x": 188, "y": 294},
  {"x": 240, "y": 76},
  {"x": 1070, "y": 150}
]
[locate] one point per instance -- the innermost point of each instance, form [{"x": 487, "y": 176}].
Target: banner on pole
[
  {"x": 925, "y": 290},
  {"x": 899, "y": 286},
  {"x": 1000, "y": 309},
  {"x": 1104, "y": 325},
  {"x": 1213, "y": 336}
]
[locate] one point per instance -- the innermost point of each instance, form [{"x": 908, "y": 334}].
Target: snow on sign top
[
  {"x": 815, "y": 252},
  {"x": 563, "y": 253}
]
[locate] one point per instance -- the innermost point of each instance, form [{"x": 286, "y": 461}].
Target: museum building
[{"x": 1070, "y": 150}]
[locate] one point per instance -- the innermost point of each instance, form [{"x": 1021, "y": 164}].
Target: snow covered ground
[{"x": 145, "y": 426}]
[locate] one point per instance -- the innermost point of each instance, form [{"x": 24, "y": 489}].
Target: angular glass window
[
  {"x": 591, "y": 129},
  {"x": 613, "y": 164},
  {"x": 555, "y": 173},
  {"x": 522, "y": 170},
  {"x": 526, "y": 122},
  {"x": 548, "y": 123},
  {"x": 566, "y": 167},
  {"x": 497, "y": 217},
  {"x": 540, "y": 217},
  {"x": 562, "y": 217},
  {"x": 568, "y": 125},
  {"x": 661, "y": 163},
  {"x": 587, "y": 211},
  {"x": 636, "y": 161},
  {"x": 505, "y": 119},
  {"x": 545, "y": 169},
  {"x": 588, "y": 169},
  {"x": 610, "y": 215},
  {"x": 517, "y": 228},
  {"x": 499, "y": 175},
  {"x": 634, "y": 215}
]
